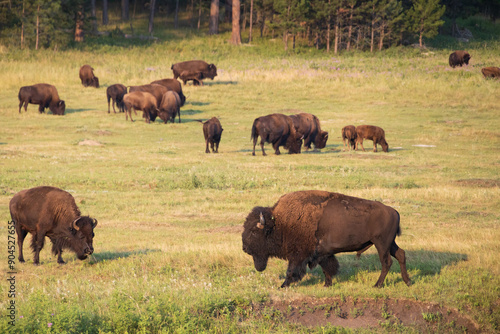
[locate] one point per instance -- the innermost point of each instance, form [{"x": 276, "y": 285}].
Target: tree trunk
[
  {"x": 199, "y": 15},
  {"x": 22, "y": 28},
  {"x": 236, "y": 33},
  {"x": 244, "y": 21},
  {"x": 105, "y": 17},
  {"x": 336, "y": 48},
  {"x": 176, "y": 18},
  {"x": 328, "y": 36},
  {"x": 37, "y": 26},
  {"x": 214, "y": 18},
  {"x": 93, "y": 15},
  {"x": 420, "y": 38},
  {"x": 373, "y": 29},
  {"x": 79, "y": 25},
  {"x": 262, "y": 23},
  {"x": 251, "y": 22},
  {"x": 293, "y": 42},
  {"x": 228, "y": 15},
  {"x": 125, "y": 10},
  {"x": 349, "y": 32},
  {"x": 382, "y": 35},
  {"x": 151, "y": 16}
]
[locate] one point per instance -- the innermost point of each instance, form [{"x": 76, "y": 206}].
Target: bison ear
[
  {"x": 94, "y": 222},
  {"x": 262, "y": 221}
]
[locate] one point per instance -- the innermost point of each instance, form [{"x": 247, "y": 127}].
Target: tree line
[{"x": 332, "y": 25}]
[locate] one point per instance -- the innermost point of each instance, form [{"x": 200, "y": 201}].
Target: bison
[
  {"x": 156, "y": 90},
  {"x": 458, "y": 58},
  {"x": 194, "y": 69},
  {"x": 52, "y": 212},
  {"x": 308, "y": 228},
  {"x": 170, "y": 107},
  {"x": 44, "y": 95},
  {"x": 140, "y": 101},
  {"x": 172, "y": 84},
  {"x": 491, "y": 72},
  {"x": 277, "y": 129},
  {"x": 349, "y": 136},
  {"x": 371, "y": 132},
  {"x": 116, "y": 93},
  {"x": 87, "y": 77},
  {"x": 196, "y": 77},
  {"x": 212, "y": 130},
  {"x": 307, "y": 126}
]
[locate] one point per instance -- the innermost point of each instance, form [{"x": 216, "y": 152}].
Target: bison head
[
  {"x": 467, "y": 57},
  {"x": 321, "y": 139},
  {"x": 294, "y": 144},
  {"x": 95, "y": 82},
  {"x": 212, "y": 71},
  {"x": 58, "y": 108},
  {"x": 385, "y": 146},
  {"x": 82, "y": 235},
  {"x": 256, "y": 232}
]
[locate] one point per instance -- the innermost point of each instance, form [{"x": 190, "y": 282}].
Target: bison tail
[
  {"x": 398, "y": 232},
  {"x": 254, "y": 131}
]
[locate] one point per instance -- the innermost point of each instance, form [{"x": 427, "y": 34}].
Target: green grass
[{"x": 168, "y": 245}]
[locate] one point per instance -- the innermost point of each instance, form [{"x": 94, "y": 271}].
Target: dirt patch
[
  {"x": 481, "y": 183},
  {"x": 369, "y": 313},
  {"x": 103, "y": 133},
  {"x": 88, "y": 142}
]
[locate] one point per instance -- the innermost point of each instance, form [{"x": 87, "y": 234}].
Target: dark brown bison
[
  {"x": 87, "y": 77},
  {"x": 172, "y": 84},
  {"x": 458, "y": 58},
  {"x": 212, "y": 130},
  {"x": 371, "y": 132},
  {"x": 51, "y": 212},
  {"x": 491, "y": 72},
  {"x": 192, "y": 67},
  {"x": 308, "y": 228},
  {"x": 196, "y": 77},
  {"x": 307, "y": 126},
  {"x": 277, "y": 129},
  {"x": 170, "y": 107},
  {"x": 349, "y": 136},
  {"x": 44, "y": 95},
  {"x": 116, "y": 93},
  {"x": 156, "y": 90},
  {"x": 140, "y": 101}
]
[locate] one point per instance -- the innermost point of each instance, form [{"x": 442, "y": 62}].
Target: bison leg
[
  {"x": 109, "y": 98},
  {"x": 216, "y": 147},
  {"x": 374, "y": 145},
  {"x": 294, "y": 273},
  {"x": 57, "y": 250},
  {"x": 330, "y": 266},
  {"x": 276, "y": 147},
  {"x": 206, "y": 149},
  {"x": 399, "y": 254},
  {"x": 360, "y": 142},
  {"x": 41, "y": 108},
  {"x": 20, "y": 105},
  {"x": 21, "y": 234},
  {"x": 386, "y": 261},
  {"x": 37, "y": 244},
  {"x": 179, "y": 113},
  {"x": 212, "y": 145},
  {"x": 358, "y": 253}
]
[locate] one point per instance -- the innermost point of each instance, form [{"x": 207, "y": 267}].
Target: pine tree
[{"x": 425, "y": 18}]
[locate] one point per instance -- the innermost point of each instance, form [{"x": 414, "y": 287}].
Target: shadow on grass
[
  {"x": 72, "y": 111},
  {"x": 108, "y": 256},
  {"x": 214, "y": 83},
  {"x": 197, "y": 103},
  {"x": 419, "y": 264}
]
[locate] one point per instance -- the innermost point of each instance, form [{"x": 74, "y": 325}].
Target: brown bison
[
  {"x": 172, "y": 84},
  {"x": 307, "y": 126},
  {"x": 212, "y": 130},
  {"x": 349, "y": 136},
  {"x": 371, "y": 132},
  {"x": 170, "y": 107},
  {"x": 277, "y": 129},
  {"x": 196, "y": 77},
  {"x": 156, "y": 90},
  {"x": 458, "y": 58},
  {"x": 44, "y": 95},
  {"x": 308, "y": 228},
  {"x": 140, "y": 101},
  {"x": 87, "y": 77},
  {"x": 491, "y": 72},
  {"x": 194, "y": 68},
  {"x": 116, "y": 93},
  {"x": 51, "y": 212}
]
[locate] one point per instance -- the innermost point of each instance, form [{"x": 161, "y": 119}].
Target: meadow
[{"x": 168, "y": 255}]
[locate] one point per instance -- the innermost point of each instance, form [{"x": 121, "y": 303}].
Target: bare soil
[
  {"x": 481, "y": 183},
  {"x": 377, "y": 314}
]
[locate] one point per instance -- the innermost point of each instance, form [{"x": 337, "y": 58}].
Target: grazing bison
[
  {"x": 192, "y": 67},
  {"x": 212, "y": 130},
  {"x": 52, "y": 212},
  {"x": 116, "y": 93},
  {"x": 307, "y": 126},
  {"x": 172, "y": 84},
  {"x": 87, "y": 77},
  {"x": 371, "y": 132},
  {"x": 458, "y": 58},
  {"x": 44, "y": 95},
  {"x": 140, "y": 101},
  {"x": 308, "y": 228},
  {"x": 277, "y": 129},
  {"x": 491, "y": 72},
  {"x": 156, "y": 90},
  {"x": 349, "y": 136},
  {"x": 196, "y": 77},
  {"x": 170, "y": 107}
]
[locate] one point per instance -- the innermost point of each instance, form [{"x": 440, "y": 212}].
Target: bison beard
[{"x": 308, "y": 228}]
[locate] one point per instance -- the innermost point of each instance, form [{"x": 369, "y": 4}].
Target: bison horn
[
  {"x": 94, "y": 222},
  {"x": 261, "y": 222},
  {"x": 73, "y": 224}
]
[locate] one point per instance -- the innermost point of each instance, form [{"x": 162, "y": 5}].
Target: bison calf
[
  {"x": 87, "y": 77},
  {"x": 170, "y": 107},
  {"x": 116, "y": 93},
  {"x": 491, "y": 72},
  {"x": 51, "y": 212},
  {"x": 212, "y": 130},
  {"x": 140, "y": 101},
  {"x": 195, "y": 70},
  {"x": 349, "y": 136},
  {"x": 44, "y": 95},
  {"x": 277, "y": 129},
  {"x": 371, "y": 132},
  {"x": 458, "y": 58},
  {"x": 308, "y": 228}
]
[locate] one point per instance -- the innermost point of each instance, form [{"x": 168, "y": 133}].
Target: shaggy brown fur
[
  {"x": 349, "y": 136},
  {"x": 170, "y": 107},
  {"x": 371, "y": 132},
  {"x": 212, "y": 131},
  {"x": 157, "y": 91},
  {"x": 308, "y": 126},
  {"x": 172, "y": 84},
  {"x": 195, "y": 70},
  {"x": 44, "y": 95},
  {"x": 277, "y": 129},
  {"x": 116, "y": 93},
  {"x": 87, "y": 77},
  {"x": 491, "y": 72},
  {"x": 140, "y": 101},
  {"x": 458, "y": 58}
]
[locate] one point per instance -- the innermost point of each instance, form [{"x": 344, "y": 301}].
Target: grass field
[{"x": 168, "y": 252}]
